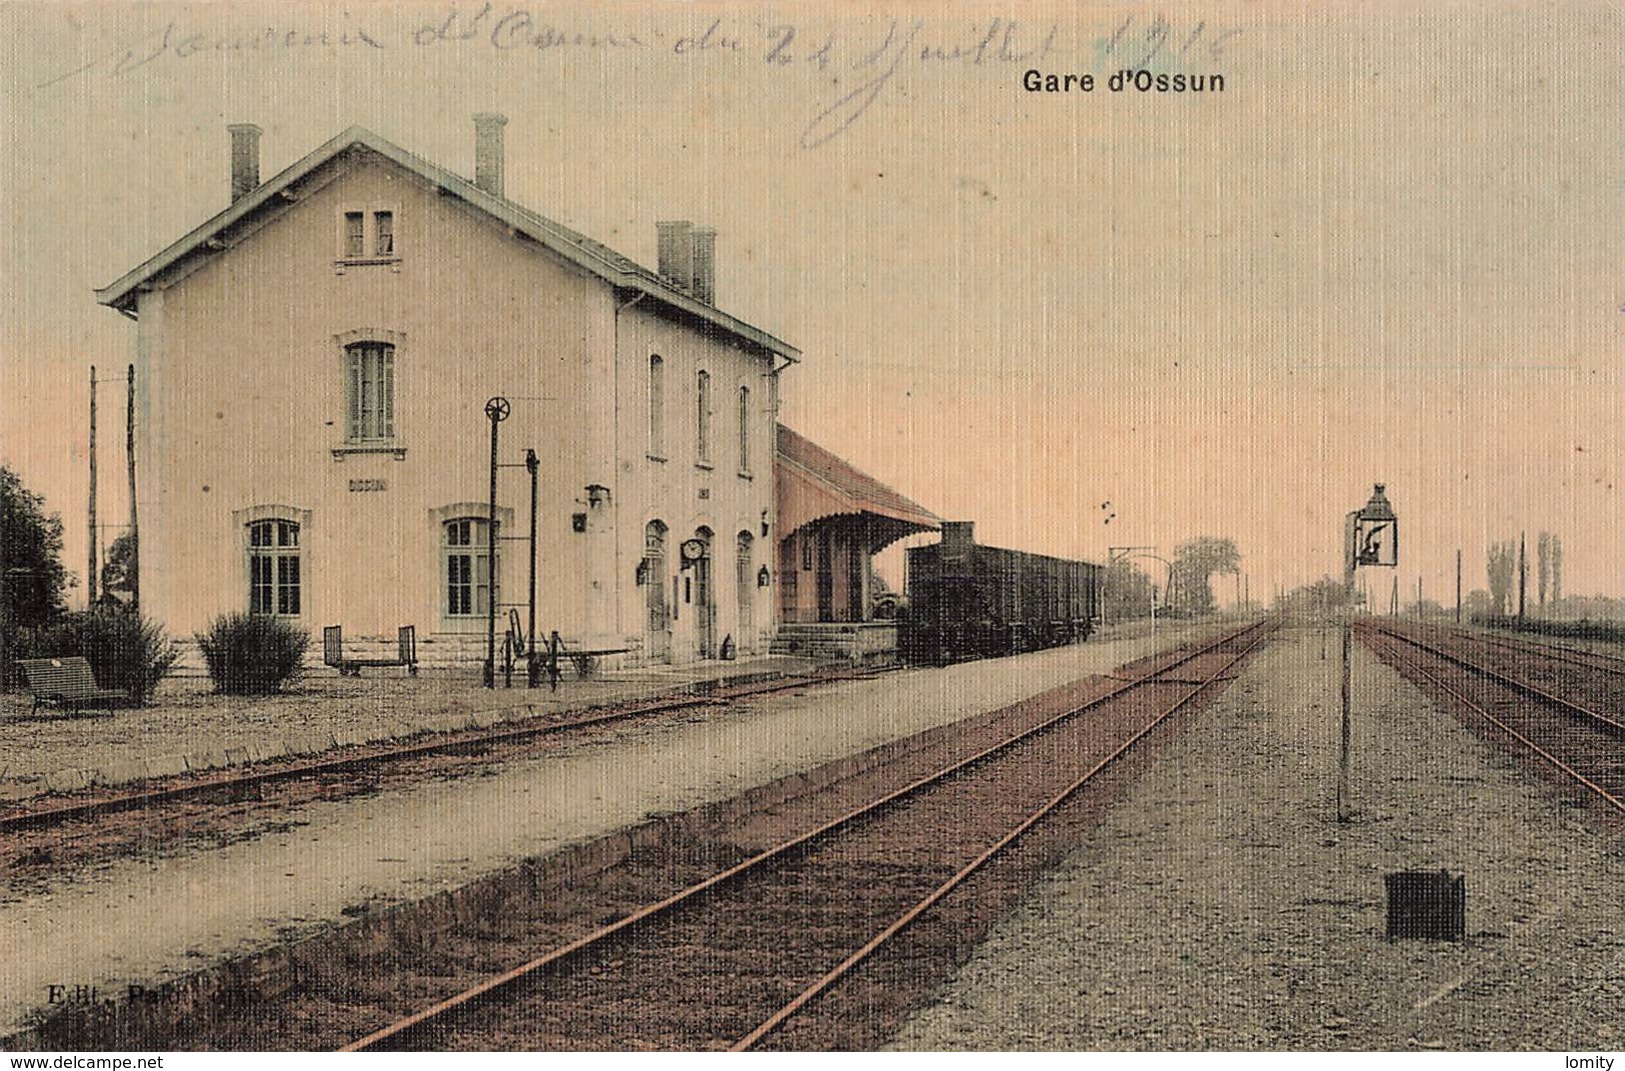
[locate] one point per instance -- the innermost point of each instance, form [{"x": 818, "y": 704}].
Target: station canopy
[{"x": 814, "y": 485}]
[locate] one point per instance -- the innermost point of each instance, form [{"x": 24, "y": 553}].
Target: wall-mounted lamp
[
  {"x": 764, "y": 526},
  {"x": 597, "y": 495},
  {"x": 763, "y": 577},
  {"x": 578, "y": 522}
]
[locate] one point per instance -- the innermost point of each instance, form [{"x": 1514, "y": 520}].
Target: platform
[{"x": 1220, "y": 904}]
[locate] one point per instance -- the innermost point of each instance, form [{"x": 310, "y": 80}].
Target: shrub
[
  {"x": 1600, "y": 631},
  {"x": 252, "y": 655},
  {"x": 125, "y": 651}
]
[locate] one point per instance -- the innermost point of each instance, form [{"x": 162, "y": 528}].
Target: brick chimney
[
  {"x": 705, "y": 265},
  {"x": 488, "y": 152},
  {"x": 245, "y": 159},
  {"x": 677, "y": 253}
]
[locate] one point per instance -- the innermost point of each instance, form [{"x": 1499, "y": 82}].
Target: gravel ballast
[
  {"x": 151, "y": 919},
  {"x": 1220, "y": 905}
]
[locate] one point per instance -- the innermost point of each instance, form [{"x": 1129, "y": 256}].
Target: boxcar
[{"x": 969, "y": 601}]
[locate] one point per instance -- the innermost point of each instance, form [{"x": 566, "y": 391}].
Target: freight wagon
[{"x": 968, "y": 601}]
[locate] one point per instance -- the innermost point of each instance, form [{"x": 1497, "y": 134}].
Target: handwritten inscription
[{"x": 852, "y": 64}]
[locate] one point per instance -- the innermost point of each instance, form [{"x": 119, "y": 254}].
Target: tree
[
  {"x": 32, "y": 579},
  {"x": 1195, "y": 561},
  {"x": 118, "y": 569},
  {"x": 1317, "y": 600},
  {"x": 1557, "y": 572},
  {"x": 1502, "y": 562},
  {"x": 1127, "y": 592},
  {"x": 1543, "y": 566}
]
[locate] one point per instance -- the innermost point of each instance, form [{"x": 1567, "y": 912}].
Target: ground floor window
[
  {"x": 274, "y": 581},
  {"x": 468, "y": 574}
]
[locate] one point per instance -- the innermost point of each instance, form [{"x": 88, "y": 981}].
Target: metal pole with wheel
[{"x": 497, "y": 410}]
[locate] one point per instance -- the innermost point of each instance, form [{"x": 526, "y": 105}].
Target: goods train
[{"x": 967, "y": 601}]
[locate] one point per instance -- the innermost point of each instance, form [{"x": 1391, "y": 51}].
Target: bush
[
  {"x": 125, "y": 651},
  {"x": 253, "y": 655},
  {"x": 1601, "y": 631}
]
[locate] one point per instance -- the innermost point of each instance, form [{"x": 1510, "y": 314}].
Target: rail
[
  {"x": 1611, "y": 799},
  {"x": 402, "y": 1029}
]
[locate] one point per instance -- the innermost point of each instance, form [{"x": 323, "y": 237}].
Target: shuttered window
[
  {"x": 371, "y": 392},
  {"x": 703, "y": 416}
]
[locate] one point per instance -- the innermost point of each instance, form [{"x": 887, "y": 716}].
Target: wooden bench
[
  {"x": 67, "y": 684},
  {"x": 333, "y": 652}
]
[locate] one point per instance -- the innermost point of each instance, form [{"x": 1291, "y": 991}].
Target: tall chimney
[
  {"x": 488, "y": 152},
  {"x": 245, "y": 159},
  {"x": 677, "y": 253},
  {"x": 705, "y": 264}
]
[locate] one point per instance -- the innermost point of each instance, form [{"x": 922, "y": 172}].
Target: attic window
[
  {"x": 354, "y": 235},
  {"x": 367, "y": 234}
]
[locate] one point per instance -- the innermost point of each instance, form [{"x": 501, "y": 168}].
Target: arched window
[
  {"x": 370, "y": 392},
  {"x": 274, "y": 582},
  {"x": 657, "y": 406},
  {"x": 703, "y": 415},
  {"x": 744, "y": 429},
  {"x": 468, "y": 573}
]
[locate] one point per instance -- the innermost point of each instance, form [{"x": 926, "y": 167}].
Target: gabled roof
[
  {"x": 816, "y": 484},
  {"x": 594, "y": 257}
]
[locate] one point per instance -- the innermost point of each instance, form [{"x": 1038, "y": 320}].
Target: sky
[{"x": 1388, "y": 251}]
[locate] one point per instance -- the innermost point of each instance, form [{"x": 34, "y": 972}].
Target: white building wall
[
  {"x": 243, "y": 406},
  {"x": 686, "y": 493}
]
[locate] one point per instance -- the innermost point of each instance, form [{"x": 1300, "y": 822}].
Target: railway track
[
  {"x": 1552, "y": 653},
  {"x": 237, "y": 785},
  {"x": 1580, "y": 735},
  {"x": 743, "y": 956}
]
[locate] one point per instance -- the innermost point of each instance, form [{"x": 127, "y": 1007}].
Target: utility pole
[
  {"x": 1419, "y": 598},
  {"x": 532, "y": 463},
  {"x": 91, "y": 573},
  {"x": 135, "y": 528}
]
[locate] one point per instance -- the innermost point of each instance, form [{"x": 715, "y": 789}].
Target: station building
[{"x": 313, "y": 367}]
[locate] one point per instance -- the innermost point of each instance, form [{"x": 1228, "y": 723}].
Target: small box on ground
[{"x": 1430, "y": 904}]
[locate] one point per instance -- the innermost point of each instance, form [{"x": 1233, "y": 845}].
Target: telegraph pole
[
  {"x": 533, "y": 464},
  {"x": 91, "y": 573},
  {"x": 135, "y": 528}
]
